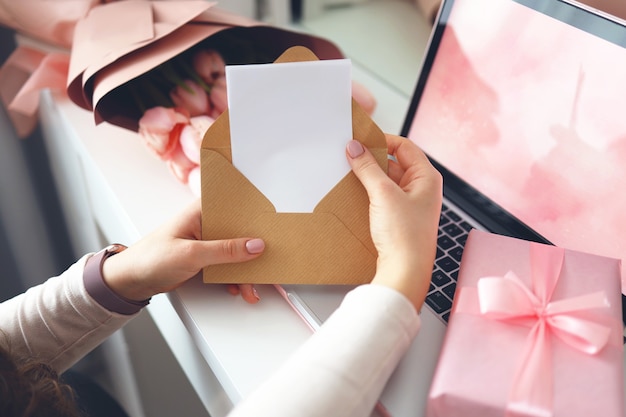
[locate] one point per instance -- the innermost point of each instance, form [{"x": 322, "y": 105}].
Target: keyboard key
[
  {"x": 453, "y": 216},
  {"x": 439, "y": 278},
  {"x": 438, "y": 302},
  {"x": 456, "y": 253},
  {"x": 446, "y": 317},
  {"x": 452, "y": 229},
  {"x": 439, "y": 253},
  {"x": 443, "y": 219},
  {"x": 465, "y": 225},
  {"x": 461, "y": 240},
  {"x": 449, "y": 290},
  {"x": 447, "y": 264},
  {"x": 444, "y": 242}
]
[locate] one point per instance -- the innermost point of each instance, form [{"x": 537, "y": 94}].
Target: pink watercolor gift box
[{"x": 535, "y": 330}]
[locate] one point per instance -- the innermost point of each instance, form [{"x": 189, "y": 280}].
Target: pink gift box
[{"x": 535, "y": 330}]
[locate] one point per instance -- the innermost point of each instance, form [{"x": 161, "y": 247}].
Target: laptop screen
[{"x": 525, "y": 101}]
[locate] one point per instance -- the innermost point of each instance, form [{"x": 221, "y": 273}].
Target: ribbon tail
[
  {"x": 50, "y": 73},
  {"x": 25, "y": 73},
  {"x": 546, "y": 263},
  {"x": 531, "y": 393}
]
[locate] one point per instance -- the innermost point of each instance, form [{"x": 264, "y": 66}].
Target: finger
[
  {"x": 213, "y": 252},
  {"x": 394, "y": 171},
  {"x": 249, "y": 293},
  {"x": 365, "y": 167},
  {"x": 412, "y": 164},
  {"x": 233, "y": 289},
  {"x": 406, "y": 152}
]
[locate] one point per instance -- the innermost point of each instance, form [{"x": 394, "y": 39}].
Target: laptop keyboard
[{"x": 453, "y": 231}]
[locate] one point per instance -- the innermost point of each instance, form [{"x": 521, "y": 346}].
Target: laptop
[{"x": 520, "y": 105}]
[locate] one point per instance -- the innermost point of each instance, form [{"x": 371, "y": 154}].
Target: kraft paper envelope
[{"x": 332, "y": 245}]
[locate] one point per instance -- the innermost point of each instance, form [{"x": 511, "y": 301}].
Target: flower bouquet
[{"x": 166, "y": 79}]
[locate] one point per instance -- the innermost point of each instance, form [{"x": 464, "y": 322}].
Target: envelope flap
[
  {"x": 236, "y": 193},
  {"x": 217, "y": 137},
  {"x": 295, "y": 54},
  {"x": 369, "y": 134}
]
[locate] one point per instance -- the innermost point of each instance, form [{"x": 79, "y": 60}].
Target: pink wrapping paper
[
  {"x": 49, "y": 21},
  {"x": 495, "y": 361}
]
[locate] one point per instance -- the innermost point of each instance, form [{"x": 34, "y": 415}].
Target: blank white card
[{"x": 289, "y": 126}]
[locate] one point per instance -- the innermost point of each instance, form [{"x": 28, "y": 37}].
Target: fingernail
[
  {"x": 255, "y": 293},
  {"x": 254, "y": 246},
  {"x": 355, "y": 148}
]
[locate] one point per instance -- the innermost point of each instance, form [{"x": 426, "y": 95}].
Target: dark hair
[{"x": 29, "y": 388}]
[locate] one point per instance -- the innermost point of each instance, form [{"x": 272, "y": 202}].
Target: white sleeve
[
  {"x": 342, "y": 369},
  {"x": 57, "y": 322}
]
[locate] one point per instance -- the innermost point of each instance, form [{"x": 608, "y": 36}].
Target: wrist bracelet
[{"x": 98, "y": 289}]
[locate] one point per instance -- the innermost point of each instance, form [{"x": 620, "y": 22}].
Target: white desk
[{"x": 113, "y": 190}]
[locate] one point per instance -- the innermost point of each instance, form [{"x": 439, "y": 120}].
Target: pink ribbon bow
[{"x": 508, "y": 299}]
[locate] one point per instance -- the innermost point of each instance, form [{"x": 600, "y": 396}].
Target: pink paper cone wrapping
[
  {"x": 535, "y": 330},
  {"x": 49, "y": 21}
]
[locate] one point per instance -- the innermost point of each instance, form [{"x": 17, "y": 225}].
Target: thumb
[
  {"x": 215, "y": 252},
  {"x": 365, "y": 167}
]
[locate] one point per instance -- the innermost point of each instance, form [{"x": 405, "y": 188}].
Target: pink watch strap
[{"x": 100, "y": 291}]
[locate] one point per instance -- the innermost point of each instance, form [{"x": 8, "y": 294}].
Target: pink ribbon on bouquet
[
  {"x": 508, "y": 299},
  {"x": 23, "y": 75}
]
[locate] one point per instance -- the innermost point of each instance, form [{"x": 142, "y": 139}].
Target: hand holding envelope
[{"x": 331, "y": 245}]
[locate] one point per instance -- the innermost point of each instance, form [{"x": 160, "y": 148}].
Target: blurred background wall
[{"x": 33, "y": 240}]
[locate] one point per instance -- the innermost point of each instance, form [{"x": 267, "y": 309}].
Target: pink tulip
[
  {"x": 363, "y": 96},
  {"x": 218, "y": 97},
  {"x": 179, "y": 164},
  {"x": 191, "y": 136},
  {"x": 194, "y": 181},
  {"x": 196, "y": 101},
  {"x": 157, "y": 128},
  {"x": 209, "y": 65}
]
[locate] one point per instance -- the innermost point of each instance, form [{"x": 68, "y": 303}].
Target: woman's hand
[
  {"x": 172, "y": 254},
  {"x": 404, "y": 214}
]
